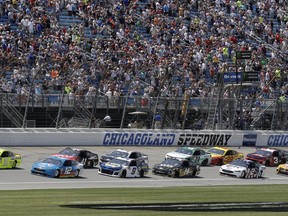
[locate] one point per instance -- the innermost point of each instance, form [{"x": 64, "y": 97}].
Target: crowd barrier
[{"x": 129, "y": 137}]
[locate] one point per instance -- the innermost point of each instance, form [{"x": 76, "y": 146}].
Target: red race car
[
  {"x": 87, "y": 158},
  {"x": 268, "y": 156}
]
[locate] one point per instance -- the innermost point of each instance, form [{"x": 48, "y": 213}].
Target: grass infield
[{"x": 65, "y": 201}]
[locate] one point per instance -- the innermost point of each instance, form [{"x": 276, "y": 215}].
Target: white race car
[
  {"x": 243, "y": 169},
  {"x": 203, "y": 158},
  {"x": 123, "y": 167}
]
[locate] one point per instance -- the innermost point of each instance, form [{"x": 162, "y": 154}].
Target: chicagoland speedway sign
[{"x": 130, "y": 137}]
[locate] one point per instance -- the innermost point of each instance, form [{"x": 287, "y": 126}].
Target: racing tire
[
  {"x": 123, "y": 174},
  {"x": 14, "y": 164},
  {"x": 175, "y": 174},
  {"x": 194, "y": 173},
  {"x": 260, "y": 174},
  {"x": 243, "y": 174},
  {"x": 204, "y": 163},
  {"x": 267, "y": 163},
  {"x": 141, "y": 173},
  {"x": 57, "y": 173},
  {"x": 77, "y": 173},
  {"x": 220, "y": 162}
]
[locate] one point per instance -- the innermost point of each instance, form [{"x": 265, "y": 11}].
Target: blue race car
[{"x": 57, "y": 167}]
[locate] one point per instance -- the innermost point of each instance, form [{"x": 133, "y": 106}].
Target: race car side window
[
  {"x": 185, "y": 164},
  {"x": 229, "y": 152},
  {"x": 202, "y": 152},
  {"x": 133, "y": 155},
  {"x": 197, "y": 152},
  {"x": 67, "y": 163},
  {"x": 5, "y": 154},
  {"x": 275, "y": 154},
  {"x": 133, "y": 163}
]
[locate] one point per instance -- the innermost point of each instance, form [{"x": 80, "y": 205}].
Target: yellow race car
[
  {"x": 282, "y": 169},
  {"x": 222, "y": 155},
  {"x": 9, "y": 159}
]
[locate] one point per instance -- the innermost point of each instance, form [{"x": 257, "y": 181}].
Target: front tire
[
  {"x": 57, "y": 173},
  {"x": 243, "y": 174},
  {"x": 194, "y": 173},
  {"x": 141, "y": 173},
  {"x": 14, "y": 164},
  {"x": 260, "y": 174}
]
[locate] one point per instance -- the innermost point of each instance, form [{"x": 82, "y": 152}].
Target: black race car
[
  {"x": 174, "y": 167},
  {"x": 87, "y": 158}
]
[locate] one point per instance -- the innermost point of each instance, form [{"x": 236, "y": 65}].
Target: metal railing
[{"x": 165, "y": 104}]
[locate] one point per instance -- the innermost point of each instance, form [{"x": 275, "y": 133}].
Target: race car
[
  {"x": 202, "y": 157},
  {"x": 221, "y": 155},
  {"x": 57, "y": 167},
  {"x": 282, "y": 169},
  {"x": 268, "y": 156},
  {"x": 175, "y": 167},
  {"x": 87, "y": 158},
  {"x": 9, "y": 159},
  {"x": 124, "y": 167},
  {"x": 120, "y": 153},
  {"x": 242, "y": 168}
]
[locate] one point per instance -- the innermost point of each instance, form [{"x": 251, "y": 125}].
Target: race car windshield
[
  {"x": 119, "y": 154},
  {"x": 241, "y": 163},
  {"x": 69, "y": 151},
  {"x": 184, "y": 151},
  {"x": 216, "y": 151},
  {"x": 172, "y": 162},
  {"x": 52, "y": 161},
  {"x": 264, "y": 153},
  {"x": 119, "y": 161}
]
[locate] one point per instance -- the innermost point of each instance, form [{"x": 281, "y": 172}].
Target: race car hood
[
  {"x": 256, "y": 156},
  {"x": 232, "y": 167},
  {"x": 70, "y": 157},
  {"x": 163, "y": 166},
  {"x": 111, "y": 166},
  {"x": 177, "y": 155},
  {"x": 42, "y": 165},
  {"x": 106, "y": 158}
]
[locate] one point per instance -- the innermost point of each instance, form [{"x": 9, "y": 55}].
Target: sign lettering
[
  {"x": 159, "y": 139},
  {"x": 204, "y": 139}
]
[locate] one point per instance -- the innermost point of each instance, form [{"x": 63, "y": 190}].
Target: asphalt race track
[{"x": 21, "y": 178}]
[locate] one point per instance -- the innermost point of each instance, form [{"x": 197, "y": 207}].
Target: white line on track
[{"x": 129, "y": 181}]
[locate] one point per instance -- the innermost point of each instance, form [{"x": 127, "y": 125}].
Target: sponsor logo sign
[{"x": 249, "y": 140}]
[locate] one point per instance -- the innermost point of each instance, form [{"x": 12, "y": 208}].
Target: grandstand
[{"x": 183, "y": 60}]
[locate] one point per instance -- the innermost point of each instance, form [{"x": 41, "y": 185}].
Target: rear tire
[
  {"x": 141, "y": 173},
  {"x": 77, "y": 173},
  {"x": 204, "y": 163},
  {"x": 123, "y": 174}
]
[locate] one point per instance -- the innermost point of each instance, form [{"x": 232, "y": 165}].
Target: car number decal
[
  {"x": 275, "y": 160},
  {"x": 68, "y": 170}
]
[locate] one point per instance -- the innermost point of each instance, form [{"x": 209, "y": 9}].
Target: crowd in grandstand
[{"x": 156, "y": 47}]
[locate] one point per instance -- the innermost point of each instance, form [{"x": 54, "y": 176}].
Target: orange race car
[{"x": 221, "y": 155}]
